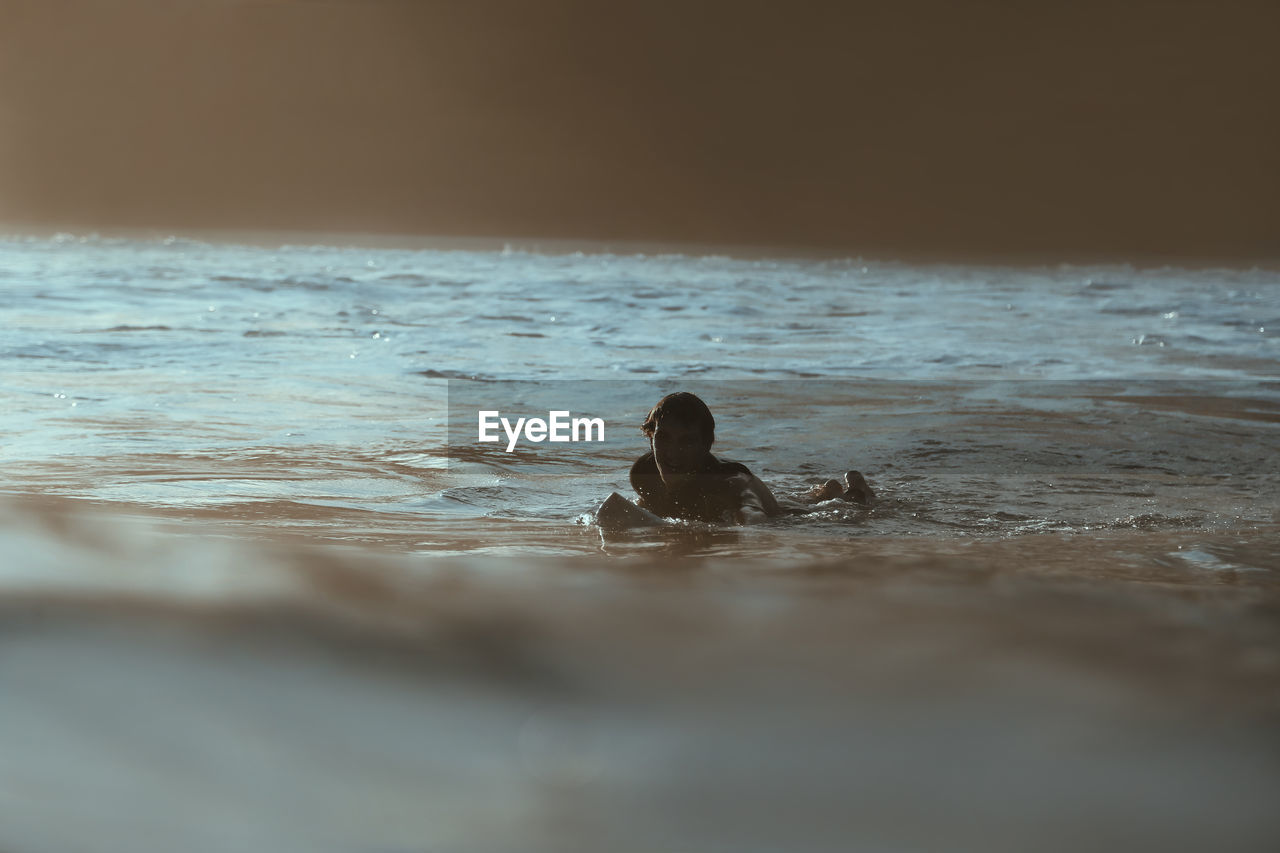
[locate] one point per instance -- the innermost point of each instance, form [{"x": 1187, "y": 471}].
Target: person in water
[{"x": 680, "y": 478}]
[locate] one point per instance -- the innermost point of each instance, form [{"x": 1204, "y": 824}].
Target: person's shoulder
[
  {"x": 729, "y": 467},
  {"x": 644, "y": 465},
  {"x": 644, "y": 475}
]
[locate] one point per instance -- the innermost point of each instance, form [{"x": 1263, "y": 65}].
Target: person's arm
[{"x": 755, "y": 502}]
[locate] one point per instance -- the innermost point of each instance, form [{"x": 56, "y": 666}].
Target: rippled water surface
[
  {"x": 263, "y": 589},
  {"x": 307, "y": 387}
]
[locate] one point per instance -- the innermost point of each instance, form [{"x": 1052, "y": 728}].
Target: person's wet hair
[{"x": 685, "y": 407}]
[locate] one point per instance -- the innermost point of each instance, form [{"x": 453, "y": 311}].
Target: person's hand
[
  {"x": 829, "y": 490},
  {"x": 858, "y": 491}
]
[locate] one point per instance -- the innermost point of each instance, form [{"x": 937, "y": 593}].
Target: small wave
[
  {"x": 1154, "y": 521},
  {"x": 455, "y": 374},
  {"x": 138, "y": 329}
]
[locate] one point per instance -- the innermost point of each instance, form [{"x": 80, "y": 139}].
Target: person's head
[{"x": 681, "y": 431}]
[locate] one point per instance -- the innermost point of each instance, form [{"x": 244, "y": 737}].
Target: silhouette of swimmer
[{"x": 680, "y": 478}]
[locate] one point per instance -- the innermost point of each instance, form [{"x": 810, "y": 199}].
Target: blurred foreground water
[
  {"x": 168, "y": 690},
  {"x": 260, "y": 590}
]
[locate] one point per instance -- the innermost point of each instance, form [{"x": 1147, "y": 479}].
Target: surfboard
[{"x": 618, "y": 513}]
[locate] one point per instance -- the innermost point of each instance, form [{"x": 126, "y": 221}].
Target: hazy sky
[{"x": 1091, "y": 128}]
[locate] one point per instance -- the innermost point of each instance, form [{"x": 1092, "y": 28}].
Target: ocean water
[
  {"x": 308, "y": 388},
  {"x": 248, "y": 532}
]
